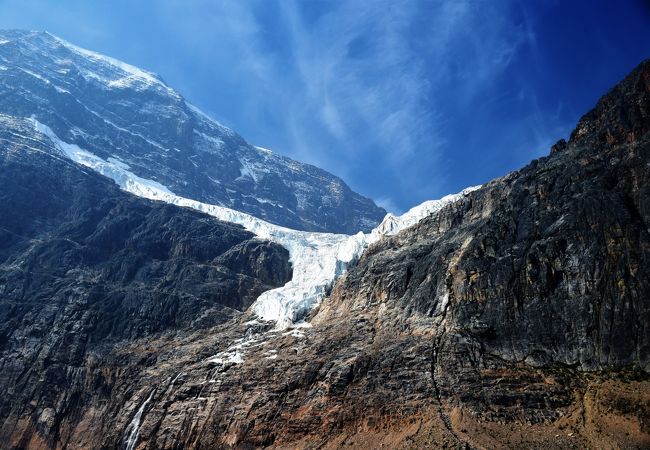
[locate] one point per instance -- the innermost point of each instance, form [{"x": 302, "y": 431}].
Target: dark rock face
[
  {"x": 85, "y": 267},
  {"x": 120, "y": 112},
  {"x": 534, "y": 285},
  {"x": 516, "y": 317}
]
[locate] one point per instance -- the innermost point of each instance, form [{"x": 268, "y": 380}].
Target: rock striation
[{"x": 85, "y": 267}]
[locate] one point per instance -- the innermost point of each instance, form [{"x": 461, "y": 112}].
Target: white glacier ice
[{"x": 318, "y": 259}]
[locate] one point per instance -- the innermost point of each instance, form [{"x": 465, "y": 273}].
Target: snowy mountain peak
[
  {"x": 116, "y": 110},
  {"x": 92, "y": 65},
  {"x": 128, "y": 70}
]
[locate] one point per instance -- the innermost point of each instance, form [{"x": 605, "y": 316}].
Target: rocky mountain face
[
  {"x": 86, "y": 268},
  {"x": 516, "y": 316},
  {"x": 531, "y": 296},
  {"x": 121, "y": 112}
]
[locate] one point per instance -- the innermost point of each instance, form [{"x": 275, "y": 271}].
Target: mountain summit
[{"x": 131, "y": 116}]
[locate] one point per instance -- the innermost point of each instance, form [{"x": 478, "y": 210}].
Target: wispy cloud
[
  {"x": 362, "y": 76},
  {"x": 356, "y": 87},
  {"x": 357, "y": 81},
  {"x": 392, "y": 95}
]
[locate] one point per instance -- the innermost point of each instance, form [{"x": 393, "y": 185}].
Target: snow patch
[
  {"x": 209, "y": 119},
  {"x": 245, "y": 171},
  {"x": 235, "y": 353},
  {"x": 294, "y": 333},
  {"x": 265, "y": 200},
  {"x": 213, "y": 142},
  {"x": 252, "y": 170},
  {"x": 266, "y": 151},
  {"x": 180, "y": 374},
  {"x": 35, "y": 75},
  {"x": 43, "y": 79},
  {"x": 125, "y": 82},
  {"x": 227, "y": 357}
]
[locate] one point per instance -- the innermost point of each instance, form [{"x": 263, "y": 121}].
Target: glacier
[{"x": 318, "y": 259}]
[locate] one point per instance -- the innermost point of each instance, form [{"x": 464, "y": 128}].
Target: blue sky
[{"x": 405, "y": 100}]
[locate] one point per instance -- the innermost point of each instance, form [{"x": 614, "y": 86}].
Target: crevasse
[{"x": 318, "y": 259}]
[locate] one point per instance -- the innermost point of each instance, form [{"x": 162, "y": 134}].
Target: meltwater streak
[{"x": 133, "y": 429}]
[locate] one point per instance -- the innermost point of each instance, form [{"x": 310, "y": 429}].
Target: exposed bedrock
[{"x": 516, "y": 317}]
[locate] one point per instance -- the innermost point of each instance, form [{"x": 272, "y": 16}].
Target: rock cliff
[
  {"x": 515, "y": 317},
  {"x": 86, "y": 268}
]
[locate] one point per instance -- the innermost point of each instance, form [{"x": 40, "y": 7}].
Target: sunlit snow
[{"x": 132, "y": 73}]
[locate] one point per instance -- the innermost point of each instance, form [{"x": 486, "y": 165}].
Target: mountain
[
  {"x": 518, "y": 316},
  {"x": 126, "y": 114},
  {"x": 512, "y": 315},
  {"x": 318, "y": 259}
]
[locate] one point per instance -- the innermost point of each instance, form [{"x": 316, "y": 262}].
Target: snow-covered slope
[
  {"x": 394, "y": 224},
  {"x": 318, "y": 258},
  {"x": 116, "y": 110}
]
